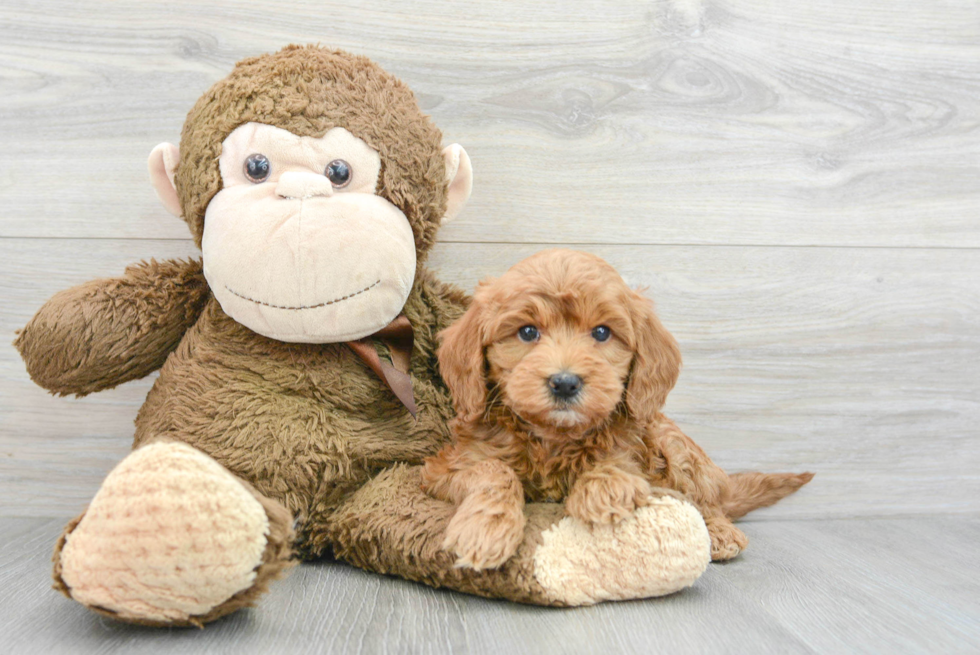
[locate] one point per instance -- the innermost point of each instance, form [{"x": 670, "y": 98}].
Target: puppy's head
[{"x": 562, "y": 341}]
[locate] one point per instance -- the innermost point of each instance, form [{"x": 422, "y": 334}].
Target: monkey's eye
[
  {"x": 257, "y": 168},
  {"x": 601, "y": 333},
  {"x": 528, "y": 334},
  {"x": 338, "y": 172}
]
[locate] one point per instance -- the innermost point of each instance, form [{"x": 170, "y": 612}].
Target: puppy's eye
[
  {"x": 601, "y": 333},
  {"x": 257, "y": 168},
  {"x": 528, "y": 333},
  {"x": 338, "y": 172}
]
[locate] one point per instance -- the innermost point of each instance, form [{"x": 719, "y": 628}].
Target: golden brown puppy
[{"x": 558, "y": 372}]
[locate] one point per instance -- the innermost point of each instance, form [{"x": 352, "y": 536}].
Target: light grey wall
[{"x": 797, "y": 183}]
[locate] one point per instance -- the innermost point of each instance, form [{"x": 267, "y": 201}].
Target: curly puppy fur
[{"x": 602, "y": 446}]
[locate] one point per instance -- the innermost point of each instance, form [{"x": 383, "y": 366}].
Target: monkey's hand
[{"x": 106, "y": 332}]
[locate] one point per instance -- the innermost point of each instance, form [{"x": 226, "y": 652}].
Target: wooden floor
[
  {"x": 901, "y": 585},
  {"x": 797, "y": 184}
]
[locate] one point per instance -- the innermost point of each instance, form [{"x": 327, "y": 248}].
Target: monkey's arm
[{"x": 106, "y": 332}]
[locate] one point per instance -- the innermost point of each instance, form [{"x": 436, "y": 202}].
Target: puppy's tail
[{"x": 751, "y": 491}]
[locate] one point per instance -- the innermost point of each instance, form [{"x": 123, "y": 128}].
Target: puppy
[{"x": 558, "y": 372}]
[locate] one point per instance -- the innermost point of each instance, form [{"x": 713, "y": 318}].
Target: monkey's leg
[
  {"x": 391, "y": 526},
  {"x": 173, "y": 538}
]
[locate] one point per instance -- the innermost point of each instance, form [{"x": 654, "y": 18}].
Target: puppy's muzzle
[{"x": 565, "y": 386}]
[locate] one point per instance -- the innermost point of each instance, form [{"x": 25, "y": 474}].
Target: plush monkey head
[{"x": 314, "y": 186}]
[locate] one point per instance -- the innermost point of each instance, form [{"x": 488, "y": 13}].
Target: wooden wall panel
[
  {"x": 798, "y": 184},
  {"x": 858, "y": 364},
  {"x": 665, "y": 122}
]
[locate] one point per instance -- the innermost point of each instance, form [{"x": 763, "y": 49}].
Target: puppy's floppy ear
[
  {"x": 461, "y": 361},
  {"x": 656, "y": 362}
]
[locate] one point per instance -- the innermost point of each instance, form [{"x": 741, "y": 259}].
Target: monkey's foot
[
  {"x": 172, "y": 538},
  {"x": 657, "y": 550}
]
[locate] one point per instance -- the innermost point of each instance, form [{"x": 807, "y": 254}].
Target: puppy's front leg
[
  {"x": 489, "y": 522},
  {"x": 608, "y": 493}
]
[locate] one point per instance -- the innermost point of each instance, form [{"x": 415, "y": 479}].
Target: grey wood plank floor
[{"x": 896, "y": 585}]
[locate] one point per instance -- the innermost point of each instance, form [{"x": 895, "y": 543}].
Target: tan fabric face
[
  {"x": 292, "y": 153},
  {"x": 294, "y": 258}
]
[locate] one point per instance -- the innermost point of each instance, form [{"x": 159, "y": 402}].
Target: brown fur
[
  {"x": 304, "y": 425},
  {"x": 308, "y": 427},
  {"x": 106, "y": 332},
  {"x": 392, "y": 509},
  {"x": 601, "y": 453}
]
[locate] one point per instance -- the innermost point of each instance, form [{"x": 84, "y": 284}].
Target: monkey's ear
[
  {"x": 459, "y": 172},
  {"x": 163, "y": 166}
]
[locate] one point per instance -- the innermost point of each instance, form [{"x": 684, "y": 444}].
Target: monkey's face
[
  {"x": 315, "y": 187},
  {"x": 297, "y": 245}
]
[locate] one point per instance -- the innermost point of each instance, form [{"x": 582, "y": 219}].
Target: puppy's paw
[
  {"x": 484, "y": 533},
  {"x": 727, "y": 541},
  {"x": 607, "y": 498}
]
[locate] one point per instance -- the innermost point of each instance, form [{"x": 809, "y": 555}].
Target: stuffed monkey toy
[{"x": 299, "y": 388}]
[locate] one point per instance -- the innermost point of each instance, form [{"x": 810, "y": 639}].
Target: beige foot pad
[
  {"x": 170, "y": 535},
  {"x": 660, "y": 549}
]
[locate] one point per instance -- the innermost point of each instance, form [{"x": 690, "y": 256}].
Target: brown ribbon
[{"x": 399, "y": 338}]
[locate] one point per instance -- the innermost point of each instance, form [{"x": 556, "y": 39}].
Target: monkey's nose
[
  {"x": 302, "y": 185},
  {"x": 564, "y": 385}
]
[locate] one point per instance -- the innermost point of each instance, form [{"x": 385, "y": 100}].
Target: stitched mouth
[{"x": 322, "y": 304}]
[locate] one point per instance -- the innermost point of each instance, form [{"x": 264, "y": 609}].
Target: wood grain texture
[
  {"x": 858, "y": 364},
  {"x": 797, "y": 183},
  {"x": 841, "y": 586},
  {"x": 663, "y": 122}
]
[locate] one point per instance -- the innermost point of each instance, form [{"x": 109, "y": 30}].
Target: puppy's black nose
[{"x": 565, "y": 385}]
